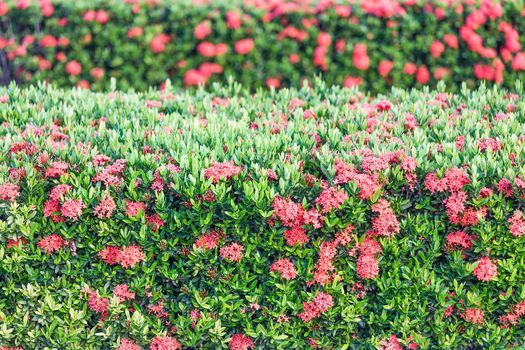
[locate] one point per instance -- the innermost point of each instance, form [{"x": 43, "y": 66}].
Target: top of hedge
[{"x": 317, "y": 217}]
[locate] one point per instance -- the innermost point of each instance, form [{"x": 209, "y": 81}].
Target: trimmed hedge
[
  {"x": 303, "y": 218},
  {"x": 377, "y": 44}
]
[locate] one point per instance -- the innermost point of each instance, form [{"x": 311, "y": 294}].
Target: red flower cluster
[
  {"x": 122, "y": 293},
  {"x": 9, "y": 192},
  {"x": 72, "y": 209},
  {"x": 285, "y": 267},
  {"x": 511, "y": 318},
  {"x": 485, "y": 269},
  {"x": 209, "y": 240},
  {"x": 241, "y": 342},
  {"x": 319, "y": 305},
  {"x": 517, "y": 224},
  {"x": 134, "y": 208},
  {"x": 324, "y": 266},
  {"x": 126, "y": 256},
  {"x": 232, "y": 252},
  {"x": 385, "y": 224},
  {"x": 51, "y": 243},
  {"x": 474, "y": 315},
  {"x": 164, "y": 343},
  {"x": 368, "y": 183},
  {"x": 458, "y": 240},
  {"x": 105, "y": 208},
  {"x": 219, "y": 171},
  {"x": 331, "y": 198},
  {"x": 126, "y": 344},
  {"x": 367, "y": 266}
]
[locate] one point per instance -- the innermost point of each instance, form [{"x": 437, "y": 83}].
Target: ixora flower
[
  {"x": 458, "y": 240},
  {"x": 164, "y": 343},
  {"x": 209, "y": 240},
  {"x": 319, "y": 305},
  {"x": 122, "y": 293},
  {"x": 219, "y": 171},
  {"x": 232, "y": 252},
  {"x": 296, "y": 235},
  {"x": 285, "y": 267},
  {"x": 331, "y": 198},
  {"x": 126, "y": 344},
  {"x": 51, "y": 243},
  {"x": 158, "y": 43},
  {"x": 72, "y": 209},
  {"x": 485, "y": 269},
  {"x": 367, "y": 266},
  {"x": 73, "y": 68},
  {"x": 244, "y": 46},
  {"x": 130, "y": 256},
  {"x": 360, "y": 59},
  {"x": 474, "y": 315},
  {"x": 517, "y": 224},
  {"x": 127, "y": 257},
  {"x": 133, "y": 208},
  {"x": 202, "y": 30},
  {"x": 105, "y": 208},
  {"x": 9, "y": 192},
  {"x": 241, "y": 342},
  {"x": 391, "y": 343}
]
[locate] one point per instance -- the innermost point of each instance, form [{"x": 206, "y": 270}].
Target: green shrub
[{"x": 311, "y": 217}]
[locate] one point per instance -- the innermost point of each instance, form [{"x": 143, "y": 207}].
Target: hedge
[
  {"x": 311, "y": 218},
  {"x": 375, "y": 44}
]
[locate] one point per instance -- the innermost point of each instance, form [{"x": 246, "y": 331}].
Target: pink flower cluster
[
  {"x": 51, "y": 243},
  {"x": 241, "y": 342},
  {"x": 319, "y": 305},
  {"x": 9, "y": 192},
  {"x": 232, "y": 252},
  {"x": 127, "y": 257},
  {"x": 485, "y": 269},
  {"x": 219, "y": 171},
  {"x": 285, "y": 268},
  {"x": 209, "y": 240}
]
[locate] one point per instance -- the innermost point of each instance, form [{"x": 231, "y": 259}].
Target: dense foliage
[
  {"x": 301, "y": 218},
  {"x": 375, "y": 44}
]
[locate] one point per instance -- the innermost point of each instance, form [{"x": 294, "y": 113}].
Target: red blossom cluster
[
  {"x": 134, "y": 208},
  {"x": 164, "y": 343},
  {"x": 219, "y": 171},
  {"x": 367, "y": 265},
  {"x": 458, "y": 240},
  {"x": 474, "y": 315},
  {"x": 517, "y": 224},
  {"x": 110, "y": 175},
  {"x": 319, "y": 305},
  {"x": 385, "y": 223},
  {"x": 241, "y": 342},
  {"x": 327, "y": 251},
  {"x": 331, "y": 198},
  {"x": 391, "y": 343},
  {"x": 512, "y": 317},
  {"x": 485, "y": 269},
  {"x": 209, "y": 240},
  {"x": 232, "y": 252},
  {"x": 51, "y": 243},
  {"x": 285, "y": 268},
  {"x": 293, "y": 215},
  {"x": 122, "y": 293},
  {"x": 9, "y": 192},
  {"x": 127, "y": 257},
  {"x": 105, "y": 208},
  {"x": 126, "y": 344}
]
